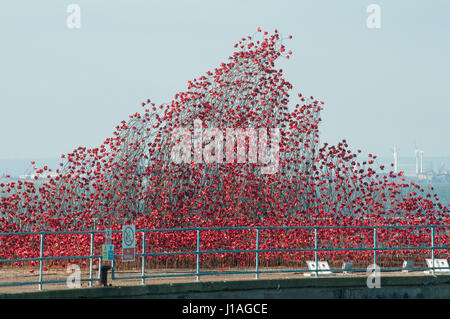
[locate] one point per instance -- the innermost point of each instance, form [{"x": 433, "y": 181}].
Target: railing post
[
  {"x": 198, "y": 254},
  {"x": 432, "y": 249},
  {"x": 41, "y": 254},
  {"x": 91, "y": 259},
  {"x": 112, "y": 269},
  {"x": 257, "y": 253},
  {"x": 375, "y": 247},
  {"x": 143, "y": 258},
  {"x": 99, "y": 267},
  {"x": 316, "y": 259}
]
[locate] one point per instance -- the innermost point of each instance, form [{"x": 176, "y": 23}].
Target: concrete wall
[{"x": 337, "y": 287}]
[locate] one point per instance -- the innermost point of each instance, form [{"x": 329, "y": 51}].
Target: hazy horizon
[{"x": 406, "y": 164}]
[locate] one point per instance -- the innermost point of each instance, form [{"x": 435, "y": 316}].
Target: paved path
[{"x": 16, "y": 275}]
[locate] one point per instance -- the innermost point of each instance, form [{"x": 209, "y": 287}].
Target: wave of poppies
[{"x": 130, "y": 177}]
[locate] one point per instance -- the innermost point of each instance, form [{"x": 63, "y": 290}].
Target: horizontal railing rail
[{"x": 198, "y": 252}]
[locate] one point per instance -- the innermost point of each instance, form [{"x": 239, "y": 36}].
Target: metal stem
[
  {"x": 143, "y": 258},
  {"x": 375, "y": 246},
  {"x": 316, "y": 257},
  {"x": 91, "y": 260},
  {"x": 41, "y": 254},
  {"x": 432, "y": 249},
  {"x": 198, "y": 255},
  {"x": 257, "y": 253}
]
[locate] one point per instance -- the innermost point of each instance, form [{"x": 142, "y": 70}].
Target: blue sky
[{"x": 61, "y": 88}]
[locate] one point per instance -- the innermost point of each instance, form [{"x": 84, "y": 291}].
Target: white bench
[
  {"x": 322, "y": 265},
  {"x": 443, "y": 263},
  {"x": 407, "y": 264},
  {"x": 346, "y": 265}
]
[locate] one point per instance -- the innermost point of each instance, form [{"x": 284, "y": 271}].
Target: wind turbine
[
  {"x": 395, "y": 153},
  {"x": 418, "y": 153},
  {"x": 421, "y": 161}
]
